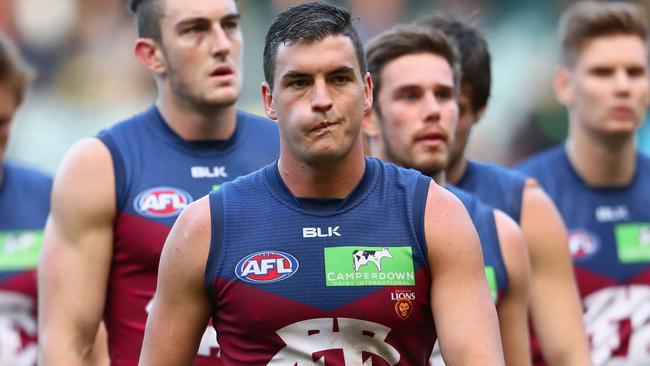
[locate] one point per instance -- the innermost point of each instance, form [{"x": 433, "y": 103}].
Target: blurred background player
[
  {"x": 599, "y": 180},
  {"x": 116, "y": 196},
  {"x": 24, "y": 206},
  {"x": 415, "y": 73},
  {"x": 520, "y": 198},
  {"x": 319, "y": 259}
]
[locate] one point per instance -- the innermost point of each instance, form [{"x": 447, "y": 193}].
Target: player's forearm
[
  {"x": 514, "y": 335},
  {"x": 557, "y": 322},
  {"x": 57, "y": 349},
  {"x": 69, "y": 308}
]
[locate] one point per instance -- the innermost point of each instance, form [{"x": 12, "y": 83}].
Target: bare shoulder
[
  {"x": 541, "y": 222},
  {"x": 83, "y": 194},
  {"x": 189, "y": 239},
  {"x": 511, "y": 237},
  {"x": 513, "y": 247},
  {"x": 88, "y": 155},
  {"x": 535, "y": 198},
  {"x": 443, "y": 205},
  {"x": 448, "y": 227}
]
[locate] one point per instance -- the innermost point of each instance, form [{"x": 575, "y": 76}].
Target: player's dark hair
[
  {"x": 147, "y": 18},
  {"x": 586, "y": 20},
  {"x": 14, "y": 70},
  {"x": 403, "y": 40},
  {"x": 473, "y": 52},
  {"x": 309, "y": 23}
]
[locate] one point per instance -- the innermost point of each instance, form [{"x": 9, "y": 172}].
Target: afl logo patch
[
  {"x": 266, "y": 267},
  {"x": 582, "y": 244},
  {"x": 161, "y": 202}
]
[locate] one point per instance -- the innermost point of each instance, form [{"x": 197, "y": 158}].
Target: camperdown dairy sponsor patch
[
  {"x": 633, "y": 242},
  {"x": 266, "y": 267},
  {"x": 20, "y": 249},
  {"x": 369, "y": 266}
]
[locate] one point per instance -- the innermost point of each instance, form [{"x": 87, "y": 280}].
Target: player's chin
[
  {"x": 431, "y": 164},
  {"x": 223, "y": 98}
]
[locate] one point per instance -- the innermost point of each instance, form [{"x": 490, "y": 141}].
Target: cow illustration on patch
[
  {"x": 369, "y": 266},
  {"x": 363, "y": 257}
]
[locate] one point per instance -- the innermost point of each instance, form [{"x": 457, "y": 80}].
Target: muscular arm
[
  {"x": 76, "y": 256},
  {"x": 460, "y": 298},
  {"x": 513, "y": 307},
  {"x": 181, "y": 307},
  {"x": 555, "y": 306},
  {"x": 99, "y": 352}
]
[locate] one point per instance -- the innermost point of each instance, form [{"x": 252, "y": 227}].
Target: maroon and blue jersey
[
  {"x": 157, "y": 174},
  {"x": 495, "y": 186},
  {"x": 609, "y": 240},
  {"x": 300, "y": 281},
  {"x": 24, "y": 206}
]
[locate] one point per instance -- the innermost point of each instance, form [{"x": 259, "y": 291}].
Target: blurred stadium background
[{"x": 88, "y": 77}]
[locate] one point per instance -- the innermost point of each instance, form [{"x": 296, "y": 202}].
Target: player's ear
[
  {"x": 150, "y": 55},
  {"x": 369, "y": 124},
  {"x": 562, "y": 86},
  {"x": 367, "y": 90},
  {"x": 267, "y": 99}
]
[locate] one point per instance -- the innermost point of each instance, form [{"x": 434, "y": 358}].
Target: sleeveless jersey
[
  {"x": 322, "y": 284},
  {"x": 495, "y": 186},
  {"x": 24, "y": 206},
  {"x": 609, "y": 240},
  {"x": 495, "y": 269},
  {"x": 157, "y": 174}
]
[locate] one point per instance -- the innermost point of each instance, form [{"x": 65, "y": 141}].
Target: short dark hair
[
  {"x": 473, "y": 52},
  {"x": 307, "y": 23},
  {"x": 403, "y": 40},
  {"x": 14, "y": 70},
  {"x": 586, "y": 20},
  {"x": 147, "y": 18}
]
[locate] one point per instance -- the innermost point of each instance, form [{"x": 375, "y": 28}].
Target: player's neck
[
  {"x": 441, "y": 178},
  {"x": 456, "y": 170},
  {"x": 335, "y": 180},
  {"x": 191, "y": 123},
  {"x": 602, "y": 162}
]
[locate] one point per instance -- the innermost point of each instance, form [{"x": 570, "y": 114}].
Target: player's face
[
  {"x": 319, "y": 99},
  {"x": 467, "y": 116},
  {"x": 418, "y": 112},
  {"x": 607, "y": 92},
  {"x": 8, "y": 107},
  {"x": 202, "y": 47}
]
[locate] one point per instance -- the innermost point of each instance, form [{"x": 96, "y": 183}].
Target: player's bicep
[
  {"x": 460, "y": 298},
  {"x": 181, "y": 307},
  {"x": 513, "y": 306}
]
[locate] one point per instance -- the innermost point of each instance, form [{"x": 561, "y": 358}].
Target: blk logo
[
  {"x": 207, "y": 172},
  {"x": 316, "y": 232}
]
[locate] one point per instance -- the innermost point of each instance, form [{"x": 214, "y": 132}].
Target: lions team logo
[
  {"x": 162, "y": 202},
  {"x": 582, "y": 244},
  {"x": 266, "y": 267},
  {"x": 403, "y": 303}
]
